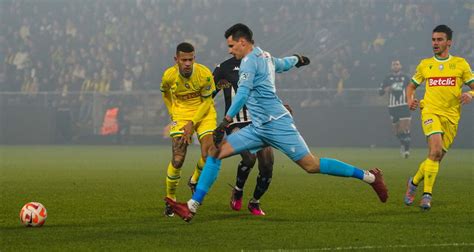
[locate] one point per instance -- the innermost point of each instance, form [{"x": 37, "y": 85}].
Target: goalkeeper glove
[
  {"x": 219, "y": 132},
  {"x": 302, "y": 60}
]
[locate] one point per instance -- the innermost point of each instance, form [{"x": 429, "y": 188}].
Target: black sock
[
  {"x": 406, "y": 141},
  {"x": 263, "y": 182},
  {"x": 243, "y": 172}
]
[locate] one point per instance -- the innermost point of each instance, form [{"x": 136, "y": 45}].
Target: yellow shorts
[
  {"x": 204, "y": 127},
  {"x": 437, "y": 124}
]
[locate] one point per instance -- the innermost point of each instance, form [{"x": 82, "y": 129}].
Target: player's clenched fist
[
  {"x": 413, "y": 103},
  {"x": 466, "y": 98}
]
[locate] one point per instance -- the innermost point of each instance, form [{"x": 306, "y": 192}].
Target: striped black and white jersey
[
  {"x": 226, "y": 77},
  {"x": 397, "y": 94}
]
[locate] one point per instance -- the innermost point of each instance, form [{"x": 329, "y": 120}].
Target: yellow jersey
[
  {"x": 444, "y": 79},
  {"x": 187, "y": 93}
]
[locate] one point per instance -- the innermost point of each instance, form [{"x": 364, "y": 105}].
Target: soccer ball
[{"x": 33, "y": 214}]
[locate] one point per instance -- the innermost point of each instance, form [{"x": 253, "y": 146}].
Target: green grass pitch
[{"x": 111, "y": 198}]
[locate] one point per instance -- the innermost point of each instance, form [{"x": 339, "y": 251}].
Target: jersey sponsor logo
[
  {"x": 188, "y": 96},
  {"x": 429, "y": 121},
  {"x": 442, "y": 81}
]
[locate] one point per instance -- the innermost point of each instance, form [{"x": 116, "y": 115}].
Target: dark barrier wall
[
  {"x": 27, "y": 124},
  {"x": 320, "y": 126},
  {"x": 367, "y": 126}
]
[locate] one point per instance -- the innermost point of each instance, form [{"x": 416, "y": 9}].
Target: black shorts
[
  {"x": 398, "y": 113},
  {"x": 236, "y": 126}
]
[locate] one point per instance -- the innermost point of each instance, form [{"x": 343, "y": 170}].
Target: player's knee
[
  {"x": 436, "y": 155},
  {"x": 265, "y": 166},
  {"x": 311, "y": 170},
  {"x": 177, "y": 162},
  {"x": 249, "y": 160}
]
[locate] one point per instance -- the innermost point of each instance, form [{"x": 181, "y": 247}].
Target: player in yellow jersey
[
  {"x": 187, "y": 89},
  {"x": 444, "y": 76}
]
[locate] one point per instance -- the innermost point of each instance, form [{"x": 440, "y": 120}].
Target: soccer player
[
  {"x": 272, "y": 124},
  {"x": 395, "y": 84},
  {"x": 187, "y": 89},
  {"x": 226, "y": 76},
  {"x": 445, "y": 75}
]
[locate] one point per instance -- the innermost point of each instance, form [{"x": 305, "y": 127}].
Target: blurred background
[{"x": 89, "y": 71}]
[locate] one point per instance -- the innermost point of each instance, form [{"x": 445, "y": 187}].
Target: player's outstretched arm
[{"x": 286, "y": 63}]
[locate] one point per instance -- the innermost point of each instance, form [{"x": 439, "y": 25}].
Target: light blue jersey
[{"x": 257, "y": 86}]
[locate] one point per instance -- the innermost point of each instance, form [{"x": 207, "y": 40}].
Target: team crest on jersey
[
  {"x": 429, "y": 121},
  {"x": 244, "y": 76},
  {"x": 187, "y": 85},
  {"x": 208, "y": 88},
  {"x": 441, "y": 67},
  {"x": 236, "y": 68}
]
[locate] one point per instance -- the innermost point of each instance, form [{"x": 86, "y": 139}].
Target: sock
[
  {"x": 400, "y": 137},
  {"x": 243, "y": 172},
  {"x": 431, "y": 170},
  {"x": 197, "y": 170},
  {"x": 338, "y": 168},
  {"x": 263, "y": 182},
  {"x": 407, "y": 141},
  {"x": 207, "y": 178},
  {"x": 172, "y": 180},
  {"x": 420, "y": 174}
]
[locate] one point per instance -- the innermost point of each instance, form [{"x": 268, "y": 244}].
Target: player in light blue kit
[{"x": 271, "y": 124}]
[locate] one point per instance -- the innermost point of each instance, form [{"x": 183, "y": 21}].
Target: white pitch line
[{"x": 461, "y": 244}]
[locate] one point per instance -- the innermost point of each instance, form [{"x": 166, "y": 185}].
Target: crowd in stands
[{"x": 125, "y": 45}]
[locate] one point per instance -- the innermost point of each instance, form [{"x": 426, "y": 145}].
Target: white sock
[
  {"x": 193, "y": 205},
  {"x": 368, "y": 177}
]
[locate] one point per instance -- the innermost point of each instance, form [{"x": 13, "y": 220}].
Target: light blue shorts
[{"x": 281, "y": 134}]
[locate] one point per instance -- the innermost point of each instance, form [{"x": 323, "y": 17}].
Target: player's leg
[
  {"x": 174, "y": 170},
  {"x": 404, "y": 129},
  {"x": 243, "y": 171},
  {"x": 439, "y": 139},
  {"x": 431, "y": 167},
  {"x": 283, "y": 135},
  {"x": 205, "y": 142},
  {"x": 204, "y": 131},
  {"x": 264, "y": 178},
  {"x": 438, "y": 146},
  {"x": 244, "y": 139},
  {"x": 394, "y": 117}
]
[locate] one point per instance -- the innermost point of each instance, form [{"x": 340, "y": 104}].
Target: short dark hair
[
  {"x": 444, "y": 29},
  {"x": 184, "y": 47},
  {"x": 239, "y": 31}
]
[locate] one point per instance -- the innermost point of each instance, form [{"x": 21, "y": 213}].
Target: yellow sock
[
  {"x": 431, "y": 170},
  {"x": 172, "y": 180},
  {"x": 198, "y": 170},
  {"x": 419, "y": 174}
]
